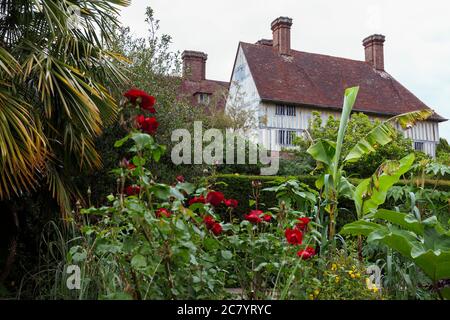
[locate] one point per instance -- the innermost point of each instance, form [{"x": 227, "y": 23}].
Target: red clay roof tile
[{"x": 320, "y": 80}]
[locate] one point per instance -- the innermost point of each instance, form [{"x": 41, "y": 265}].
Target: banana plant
[
  {"x": 426, "y": 243},
  {"x": 332, "y": 181}
]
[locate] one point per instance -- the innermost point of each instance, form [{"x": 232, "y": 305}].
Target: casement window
[
  {"x": 283, "y": 110},
  {"x": 203, "y": 98},
  {"x": 419, "y": 146},
  {"x": 290, "y": 111},
  {"x": 286, "y": 137},
  {"x": 280, "y": 110}
]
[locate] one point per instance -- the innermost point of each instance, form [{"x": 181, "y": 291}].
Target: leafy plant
[
  {"x": 426, "y": 242},
  {"x": 332, "y": 180},
  {"x": 53, "y": 98}
]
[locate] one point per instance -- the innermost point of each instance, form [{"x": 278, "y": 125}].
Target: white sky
[{"x": 417, "y": 48}]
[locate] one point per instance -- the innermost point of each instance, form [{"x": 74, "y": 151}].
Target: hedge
[{"x": 239, "y": 187}]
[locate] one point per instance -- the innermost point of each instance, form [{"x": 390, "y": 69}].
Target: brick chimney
[
  {"x": 194, "y": 65},
  {"x": 281, "y": 29},
  {"x": 374, "y": 48}
]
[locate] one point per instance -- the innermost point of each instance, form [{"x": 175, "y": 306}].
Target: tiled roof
[
  {"x": 319, "y": 81},
  {"x": 190, "y": 88}
]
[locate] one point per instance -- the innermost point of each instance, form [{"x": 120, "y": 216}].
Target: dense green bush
[
  {"x": 240, "y": 186},
  {"x": 359, "y": 126}
]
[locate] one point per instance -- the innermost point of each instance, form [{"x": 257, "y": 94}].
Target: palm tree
[{"x": 55, "y": 63}]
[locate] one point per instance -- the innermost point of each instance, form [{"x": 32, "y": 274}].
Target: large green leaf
[
  {"x": 323, "y": 151},
  {"x": 400, "y": 240},
  {"x": 361, "y": 228},
  {"x": 408, "y": 120},
  {"x": 406, "y": 221},
  {"x": 372, "y": 192},
  {"x": 435, "y": 264},
  {"x": 379, "y": 136},
  {"x": 384, "y": 133},
  {"x": 349, "y": 101}
]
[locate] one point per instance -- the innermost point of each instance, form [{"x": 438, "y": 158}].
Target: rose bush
[{"x": 158, "y": 241}]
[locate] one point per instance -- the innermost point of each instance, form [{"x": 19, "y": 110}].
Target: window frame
[
  {"x": 421, "y": 144},
  {"x": 285, "y": 137}
]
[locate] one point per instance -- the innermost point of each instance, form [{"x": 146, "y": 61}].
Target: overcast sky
[{"x": 417, "y": 48}]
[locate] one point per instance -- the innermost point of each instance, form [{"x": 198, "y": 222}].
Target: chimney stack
[
  {"x": 374, "y": 49},
  {"x": 194, "y": 65},
  {"x": 281, "y": 29}
]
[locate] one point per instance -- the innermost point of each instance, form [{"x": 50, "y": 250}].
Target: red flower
[
  {"x": 146, "y": 101},
  {"x": 302, "y": 225},
  {"x": 254, "y": 216},
  {"x": 215, "y": 198},
  {"x": 306, "y": 254},
  {"x": 148, "y": 125},
  {"x": 209, "y": 222},
  {"x": 163, "y": 212},
  {"x": 200, "y": 199},
  {"x": 294, "y": 236},
  {"x": 132, "y": 190},
  {"x": 180, "y": 179},
  {"x": 267, "y": 217},
  {"x": 216, "y": 229},
  {"x": 231, "y": 203},
  {"x": 127, "y": 164}
]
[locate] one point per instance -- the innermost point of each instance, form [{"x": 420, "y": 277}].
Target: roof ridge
[{"x": 306, "y": 52}]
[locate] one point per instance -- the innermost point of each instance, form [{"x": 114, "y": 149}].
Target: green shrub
[{"x": 240, "y": 186}]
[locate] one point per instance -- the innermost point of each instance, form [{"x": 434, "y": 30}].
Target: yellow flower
[
  {"x": 338, "y": 279},
  {"x": 316, "y": 292},
  {"x": 375, "y": 289},
  {"x": 333, "y": 267},
  {"x": 358, "y": 275},
  {"x": 353, "y": 276},
  {"x": 311, "y": 297}
]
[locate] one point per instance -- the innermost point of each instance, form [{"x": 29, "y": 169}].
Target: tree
[
  {"x": 153, "y": 67},
  {"x": 237, "y": 117},
  {"x": 54, "y": 59}
]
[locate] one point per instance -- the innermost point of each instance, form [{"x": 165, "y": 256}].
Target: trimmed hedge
[{"x": 239, "y": 187}]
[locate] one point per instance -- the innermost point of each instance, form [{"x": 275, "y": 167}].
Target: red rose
[
  {"x": 302, "y": 224},
  {"x": 294, "y": 236},
  {"x": 216, "y": 229},
  {"x": 148, "y": 125},
  {"x": 267, "y": 217},
  {"x": 306, "y": 254},
  {"x": 209, "y": 222},
  {"x": 132, "y": 190},
  {"x": 231, "y": 203},
  {"x": 254, "y": 216},
  {"x": 140, "y": 119},
  {"x": 215, "y": 198},
  {"x": 200, "y": 199},
  {"x": 180, "y": 179},
  {"x": 146, "y": 101},
  {"x": 163, "y": 212}
]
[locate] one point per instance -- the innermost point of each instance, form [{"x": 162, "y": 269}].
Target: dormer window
[{"x": 203, "y": 98}]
